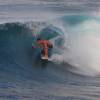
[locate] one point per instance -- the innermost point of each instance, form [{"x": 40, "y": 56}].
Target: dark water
[{"x": 23, "y": 77}]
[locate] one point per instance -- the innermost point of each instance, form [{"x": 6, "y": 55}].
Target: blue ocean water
[{"x": 73, "y": 72}]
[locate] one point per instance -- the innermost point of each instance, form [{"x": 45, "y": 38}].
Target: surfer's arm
[{"x": 38, "y": 46}]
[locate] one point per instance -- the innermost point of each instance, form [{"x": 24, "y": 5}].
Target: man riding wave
[{"x": 45, "y": 45}]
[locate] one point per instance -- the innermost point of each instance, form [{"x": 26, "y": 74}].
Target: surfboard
[{"x": 44, "y": 58}]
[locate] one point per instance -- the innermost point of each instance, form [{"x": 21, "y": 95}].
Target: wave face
[
  {"x": 17, "y": 58},
  {"x": 15, "y": 41}
]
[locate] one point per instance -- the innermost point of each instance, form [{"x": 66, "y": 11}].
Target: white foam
[{"x": 82, "y": 47}]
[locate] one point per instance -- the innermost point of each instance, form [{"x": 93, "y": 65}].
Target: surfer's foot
[{"x": 46, "y": 56}]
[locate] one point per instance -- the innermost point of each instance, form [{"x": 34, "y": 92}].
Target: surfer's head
[{"x": 38, "y": 39}]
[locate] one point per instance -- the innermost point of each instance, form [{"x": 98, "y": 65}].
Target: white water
[{"x": 82, "y": 46}]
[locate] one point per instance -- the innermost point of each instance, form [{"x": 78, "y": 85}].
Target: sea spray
[{"x": 82, "y": 45}]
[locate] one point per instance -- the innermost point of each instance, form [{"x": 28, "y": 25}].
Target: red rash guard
[{"x": 44, "y": 44}]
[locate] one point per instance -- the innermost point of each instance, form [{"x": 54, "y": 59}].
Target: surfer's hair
[{"x": 38, "y": 39}]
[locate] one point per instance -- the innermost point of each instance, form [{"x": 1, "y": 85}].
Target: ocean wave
[{"x": 70, "y": 48}]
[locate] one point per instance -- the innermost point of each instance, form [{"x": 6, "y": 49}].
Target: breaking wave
[{"x": 76, "y": 42}]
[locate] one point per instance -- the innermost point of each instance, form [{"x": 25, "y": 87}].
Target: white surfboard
[{"x": 44, "y": 58}]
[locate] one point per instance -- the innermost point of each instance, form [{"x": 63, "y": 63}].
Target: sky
[{"x": 40, "y": 10}]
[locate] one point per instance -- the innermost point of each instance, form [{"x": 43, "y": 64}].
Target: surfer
[{"x": 45, "y": 45}]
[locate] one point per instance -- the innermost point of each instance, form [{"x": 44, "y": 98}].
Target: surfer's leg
[{"x": 46, "y": 52}]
